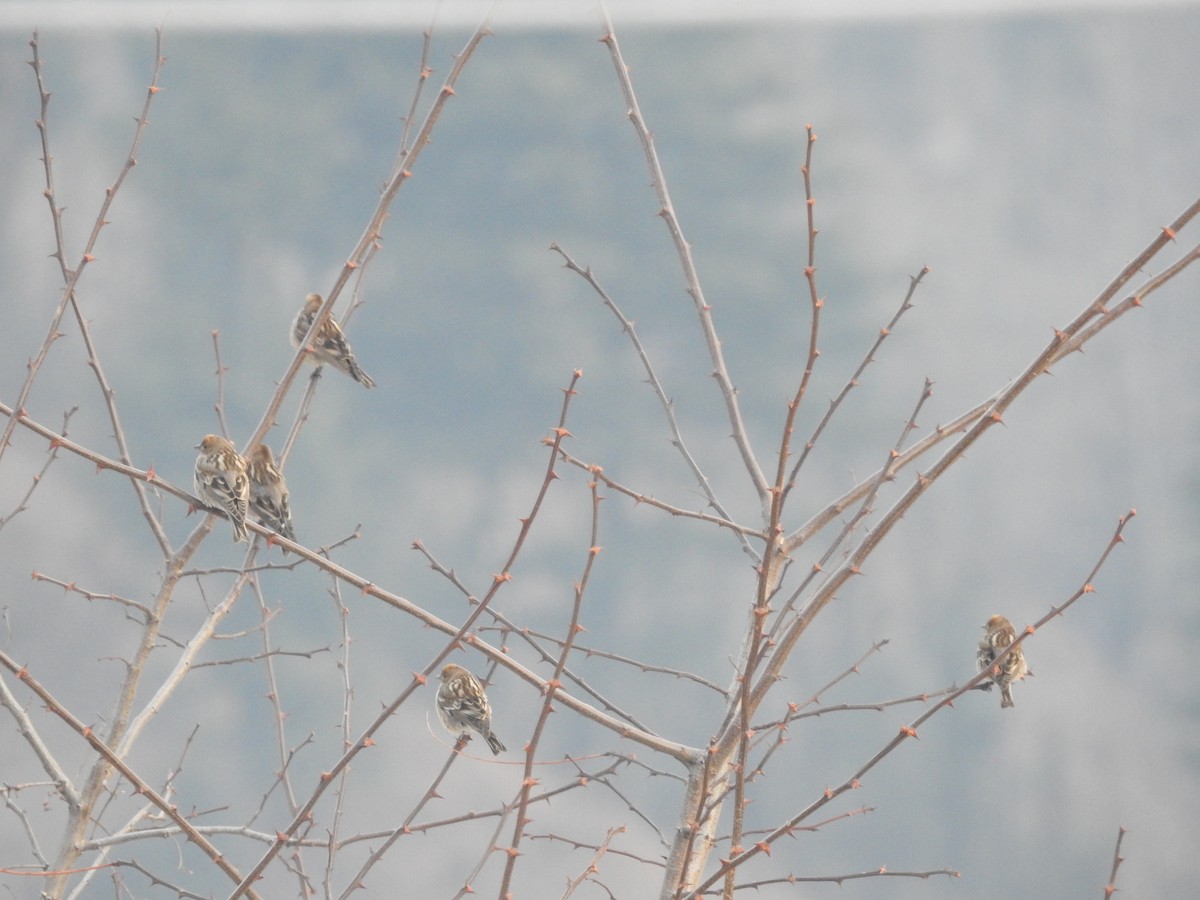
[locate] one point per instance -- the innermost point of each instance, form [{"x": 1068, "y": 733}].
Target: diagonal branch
[
  {"x": 906, "y": 732},
  {"x": 374, "y": 230},
  {"x": 113, "y": 760},
  {"x": 690, "y": 275},
  {"x": 71, "y": 277},
  {"x": 991, "y": 416},
  {"x": 667, "y": 404}
]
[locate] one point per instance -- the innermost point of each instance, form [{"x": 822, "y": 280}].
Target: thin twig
[
  {"x": 742, "y": 531},
  {"x": 71, "y": 279},
  {"x": 691, "y": 278},
  {"x": 219, "y": 404},
  {"x": 367, "y": 587},
  {"x": 1111, "y": 887},
  {"x": 906, "y": 732},
  {"x": 992, "y": 416},
  {"x": 373, "y": 232},
  {"x": 668, "y": 409},
  {"x": 853, "y": 382},
  {"x": 51, "y": 456},
  {"x": 507, "y": 627},
  {"x": 115, "y": 761},
  {"x": 593, "y": 865},
  {"x": 881, "y": 872},
  {"x": 552, "y": 685}
]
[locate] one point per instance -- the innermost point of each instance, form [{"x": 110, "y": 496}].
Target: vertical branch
[
  {"x": 79, "y": 819},
  {"x": 810, "y": 276},
  {"x": 274, "y": 697},
  {"x": 1111, "y": 887},
  {"x": 219, "y": 404},
  {"x": 552, "y": 685},
  {"x": 347, "y": 736}
]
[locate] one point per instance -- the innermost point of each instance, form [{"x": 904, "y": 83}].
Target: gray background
[{"x": 1024, "y": 158}]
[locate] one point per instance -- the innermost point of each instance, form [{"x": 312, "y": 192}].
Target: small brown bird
[
  {"x": 269, "y": 492},
  {"x": 222, "y": 482},
  {"x": 998, "y": 635},
  {"x": 329, "y": 345},
  {"x": 463, "y": 707}
]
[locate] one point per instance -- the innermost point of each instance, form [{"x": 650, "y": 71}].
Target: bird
[
  {"x": 222, "y": 482},
  {"x": 463, "y": 707},
  {"x": 329, "y": 344},
  {"x": 269, "y": 492},
  {"x": 998, "y": 635}
]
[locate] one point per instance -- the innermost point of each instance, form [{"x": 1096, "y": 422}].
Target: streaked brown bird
[
  {"x": 269, "y": 492},
  {"x": 463, "y": 706},
  {"x": 998, "y": 636},
  {"x": 329, "y": 345},
  {"x": 221, "y": 481}
]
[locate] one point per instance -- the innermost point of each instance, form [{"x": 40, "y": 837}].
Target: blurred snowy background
[{"x": 1024, "y": 157}]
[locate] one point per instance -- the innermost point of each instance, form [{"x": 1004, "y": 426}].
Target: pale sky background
[
  {"x": 284, "y": 15},
  {"x": 1024, "y": 158}
]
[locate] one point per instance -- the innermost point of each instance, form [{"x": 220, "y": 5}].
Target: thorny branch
[
  {"x": 1111, "y": 887},
  {"x": 114, "y": 760},
  {"x": 906, "y": 732}
]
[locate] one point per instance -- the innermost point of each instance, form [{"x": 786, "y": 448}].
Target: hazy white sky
[
  {"x": 1024, "y": 161},
  {"x": 302, "y": 14}
]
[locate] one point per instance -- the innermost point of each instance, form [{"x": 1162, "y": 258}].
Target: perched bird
[
  {"x": 329, "y": 344},
  {"x": 221, "y": 481},
  {"x": 998, "y": 635},
  {"x": 463, "y": 706},
  {"x": 269, "y": 493}
]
